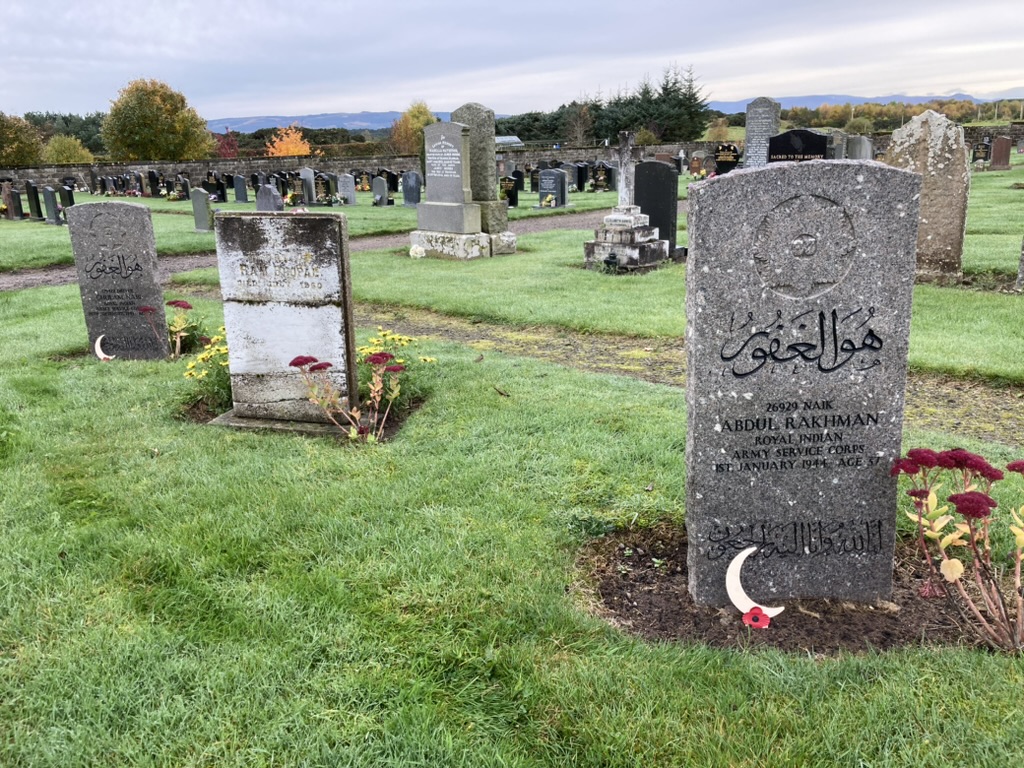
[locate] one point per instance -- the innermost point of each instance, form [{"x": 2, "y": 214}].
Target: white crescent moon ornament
[
  {"x": 99, "y": 349},
  {"x": 734, "y": 587}
]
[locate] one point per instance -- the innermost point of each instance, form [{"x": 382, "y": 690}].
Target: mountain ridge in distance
[{"x": 358, "y": 121}]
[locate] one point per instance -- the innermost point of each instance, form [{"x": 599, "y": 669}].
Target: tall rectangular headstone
[
  {"x": 241, "y": 189},
  {"x": 201, "y": 211},
  {"x": 15, "y": 209},
  {"x": 286, "y": 285},
  {"x": 380, "y": 190},
  {"x": 763, "y": 119},
  {"x": 52, "y": 209},
  {"x": 799, "y": 286},
  {"x": 308, "y": 177},
  {"x": 483, "y": 171},
  {"x": 933, "y": 145},
  {"x": 412, "y": 186},
  {"x": 115, "y": 257},
  {"x": 347, "y": 188},
  {"x": 1000, "y": 154},
  {"x": 35, "y": 208},
  {"x": 656, "y": 193}
]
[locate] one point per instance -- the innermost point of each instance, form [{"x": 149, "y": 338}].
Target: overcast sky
[{"x": 262, "y": 57}]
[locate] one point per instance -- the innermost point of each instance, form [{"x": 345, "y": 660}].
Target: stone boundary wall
[{"x": 52, "y": 174}]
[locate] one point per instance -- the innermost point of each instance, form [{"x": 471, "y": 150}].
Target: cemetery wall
[{"x": 52, "y": 174}]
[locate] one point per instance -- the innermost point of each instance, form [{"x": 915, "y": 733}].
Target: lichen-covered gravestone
[
  {"x": 286, "y": 289},
  {"x": 799, "y": 288},
  {"x": 115, "y": 258},
  {"x": 933, "y": 146}
]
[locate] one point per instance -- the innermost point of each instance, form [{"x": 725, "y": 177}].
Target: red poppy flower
[
  {"x": 918, "y": 493},
  {"x": 395, "y": 368},
  {"x": 379, "y": 358},
  {"x": 179, "y": 304},
  {"x": 320, "y": 367},
  {"x": 1016, "y": 466},
  {"x": 973, "y": 504},
  {"x": 301, "y": 360},
  {"x": 756, "y": 618}
]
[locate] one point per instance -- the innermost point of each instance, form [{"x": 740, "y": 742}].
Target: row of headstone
[
  {"x": 596, "y": 176},
  {"x": 54, "y": 203},
  {"x": 798, "y": 312}
]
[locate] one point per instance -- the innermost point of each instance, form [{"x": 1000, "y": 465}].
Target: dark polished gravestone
[
  {"x": 115, "y": 257},
  {"x": 797, "y": 145},
  {"x": 798, "y": 298},
  {"x": 656, "y": 189},
  {"x": 980, "y": 152},
  {"x": 35, "y": 208},
  {"x": 553, "y": 189},
  {"x": 727, "y": 157},
  {"x": 508, "y": 187}
]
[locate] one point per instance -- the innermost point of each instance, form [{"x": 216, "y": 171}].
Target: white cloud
[{"x": 264, "y": 57}]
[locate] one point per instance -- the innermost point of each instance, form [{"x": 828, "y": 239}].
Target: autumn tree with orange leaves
[{"x": 288, "y": 142}]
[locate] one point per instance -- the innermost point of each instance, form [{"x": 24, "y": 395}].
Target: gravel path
[{"x": 169, "y": 265}]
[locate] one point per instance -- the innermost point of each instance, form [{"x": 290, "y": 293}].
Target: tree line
[
  {"x": 672, "y": 111},
  {"x": 151, "y": 121}
]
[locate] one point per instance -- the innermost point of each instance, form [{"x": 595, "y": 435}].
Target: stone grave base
[
  {"x": 626, "y": 243},
  {"x": 452, "y": 245},
  {"x": 317, "y": 429},
  {"x": 463, "y": 218}
]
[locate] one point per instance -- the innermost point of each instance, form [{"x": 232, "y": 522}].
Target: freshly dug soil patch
[{"x": 637, "y": 580}]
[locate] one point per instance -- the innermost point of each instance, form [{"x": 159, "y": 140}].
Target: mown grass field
[{"x": 179, "y": 594}]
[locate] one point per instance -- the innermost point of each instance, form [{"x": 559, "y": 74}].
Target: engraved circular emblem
[{"x": 804, "y": 246}]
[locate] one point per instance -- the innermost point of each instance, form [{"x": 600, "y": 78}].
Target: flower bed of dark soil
[{"x": 637, "y": 580}]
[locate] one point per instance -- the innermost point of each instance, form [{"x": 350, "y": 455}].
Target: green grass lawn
[
  {"x": 180, "y": 594},
  {"x": 177, "y": 594}
]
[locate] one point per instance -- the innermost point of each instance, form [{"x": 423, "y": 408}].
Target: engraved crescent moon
[
  {"x": 734, "y": 587},
  {"x": 99, "y": 349}
]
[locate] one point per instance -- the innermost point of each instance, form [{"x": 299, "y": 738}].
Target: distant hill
[
  {"x": 358, "y": 121},
  {"x": 354, "y": 121},
  {"x": 813, "y": 102}
]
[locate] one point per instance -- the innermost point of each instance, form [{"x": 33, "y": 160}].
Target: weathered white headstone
[
  {"x": 286, "y": 289},
  {"x": 933, "y": 146},
  {"x": 799, "y": 286},
  {"x": 115, "y": 258}
]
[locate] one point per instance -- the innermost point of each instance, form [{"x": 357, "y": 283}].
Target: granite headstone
[
  {"x": 115, "y": 258},
  {"x": 763, "y": 119},
  {"x": 201, "y": 211},
  {"x": 798, "y": 297}
]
